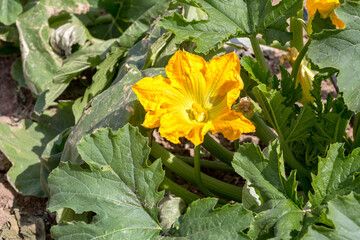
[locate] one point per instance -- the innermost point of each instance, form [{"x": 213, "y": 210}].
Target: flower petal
[
  {"x": 223, "y": 79},
  {"x": 152, "y": 118},
  {"x": 176, "y": 125},
  {"x": 325, "y": 7},
  {"x": 186, "y": 72},
  {"x": 157, "y": 91},
  {"x": 232, "y": 125},
  {"x": 336, "y": 21}
]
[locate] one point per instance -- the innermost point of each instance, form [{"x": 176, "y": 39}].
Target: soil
[{"x": 25, "y": 217}]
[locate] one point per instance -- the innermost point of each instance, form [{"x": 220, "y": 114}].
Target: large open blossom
[
  {"x": 195, "y": 98},
  {"x": 326, "y": 9}
]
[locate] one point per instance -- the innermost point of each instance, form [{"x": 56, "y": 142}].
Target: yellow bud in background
[{"x": 305, "y": 76}]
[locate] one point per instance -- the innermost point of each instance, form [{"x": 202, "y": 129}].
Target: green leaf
[
  {"x": 318, "y": 23},
  {"x": 17, "y": 73},
  {"x": 170, "y": 208},
  {"x": 23, "y": 145},
  {"x": 9, "y": 11},
  {"x": 130, "y": 19},
  {"x": 289, "y": 127},
  {"x": 142, "y": 13},
  {"x": 67, "y": 35},
  {"x": 250, "y": 198},
  {"x": 266, "y": 174},
  {"x": 337, "y": 175},
  {"x": 228, "y": 19},
  {"x": 344, "y": 213},
  {"x": 100, "y": 81},
  {"x": 291, "y": 90},
  {"x": 161, "y": 51},
  {"x": 140, "y": 51},
  {"x": 278, "y": 195},
  {"x": 125, "y": 202},
  {"x": 255, "y": 71},
  {"x": 9, "y": 34},
  {"x": 281, "y": 222},
  {"x": 81, "y": 60},
  {"x": 40, "y": 62},
  {"x": 201, "y": 221},
  {"x": 337, "y": 49}
]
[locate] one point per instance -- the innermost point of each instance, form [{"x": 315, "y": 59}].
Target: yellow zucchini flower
[
  {"x": 326, "y": 9},
  {"x": 195, "y": 98},
  {"x": 304, "y": 76}
]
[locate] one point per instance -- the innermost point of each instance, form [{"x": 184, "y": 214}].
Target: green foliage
[
  {"x": 9, "y": 11},
  {"x": 281, "y": 222},
  {"x": 336, "y": 49},
  {"x": 337, "y": 175},
  {"x": 130, "y": 211},
  {"x": 131, "y": 18},
  {"x": 40, "y": 61},
  {"x": 318, "y": 24},
  {"x": 228, "y": 19},
  {"x": 101, "y": 80},
  {"x": 134, "y": 203},
  {"x": 24, "y": 144},
  {"x": 344, "y": 213},
  {"x": 170, "y": 208},
  {"x": 201, "y": 221},
  {"x": 266, "y": 174},
  {"x": 255, "y": 71},
  {"x": 280, "y": 210}
]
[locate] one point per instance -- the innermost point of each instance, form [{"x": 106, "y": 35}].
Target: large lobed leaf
[
  {"x": 266, "y": 173},
  {"x": 282, "y": 222},
  {"x": 236, "y": 18},
  {"x": 278, "y": 195},
  {"x": 344, "y": 213},
  {"x": 119, "y": 188},
  {"x": 337, "y": 175},
  {"x": 201, "y": 221},
  {"x": 24, "y": 144},
  {"x": 339, "y": 49}
]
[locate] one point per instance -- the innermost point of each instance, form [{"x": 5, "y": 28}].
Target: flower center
[{"x": 198, "y": 113}]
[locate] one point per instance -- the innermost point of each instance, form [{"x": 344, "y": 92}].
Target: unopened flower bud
[{"x": 245, "y": 106}]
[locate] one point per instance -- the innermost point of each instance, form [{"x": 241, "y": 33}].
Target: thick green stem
[
  {"x": 258, "y": 53},
  {"x": 290, "y": 159},
  {"x": 274, "y": 44},
  {"x": 296, "y": 27},
  {"x": 185, "y": 171},
  {"x": 356, "y": 131},
  {"x": 299, "y": 59},
  {"x": 236, "y": 145},
  {"x": 178, "y": 191},
  {"x": 219, "y": 151},
  {"x": 208, "y": 164},
  {"x": 262, "y": 130},
  {"x": 197, "y": 169}
]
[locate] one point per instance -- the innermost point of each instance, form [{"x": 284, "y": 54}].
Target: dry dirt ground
[{"x": 25, "y": 217}]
